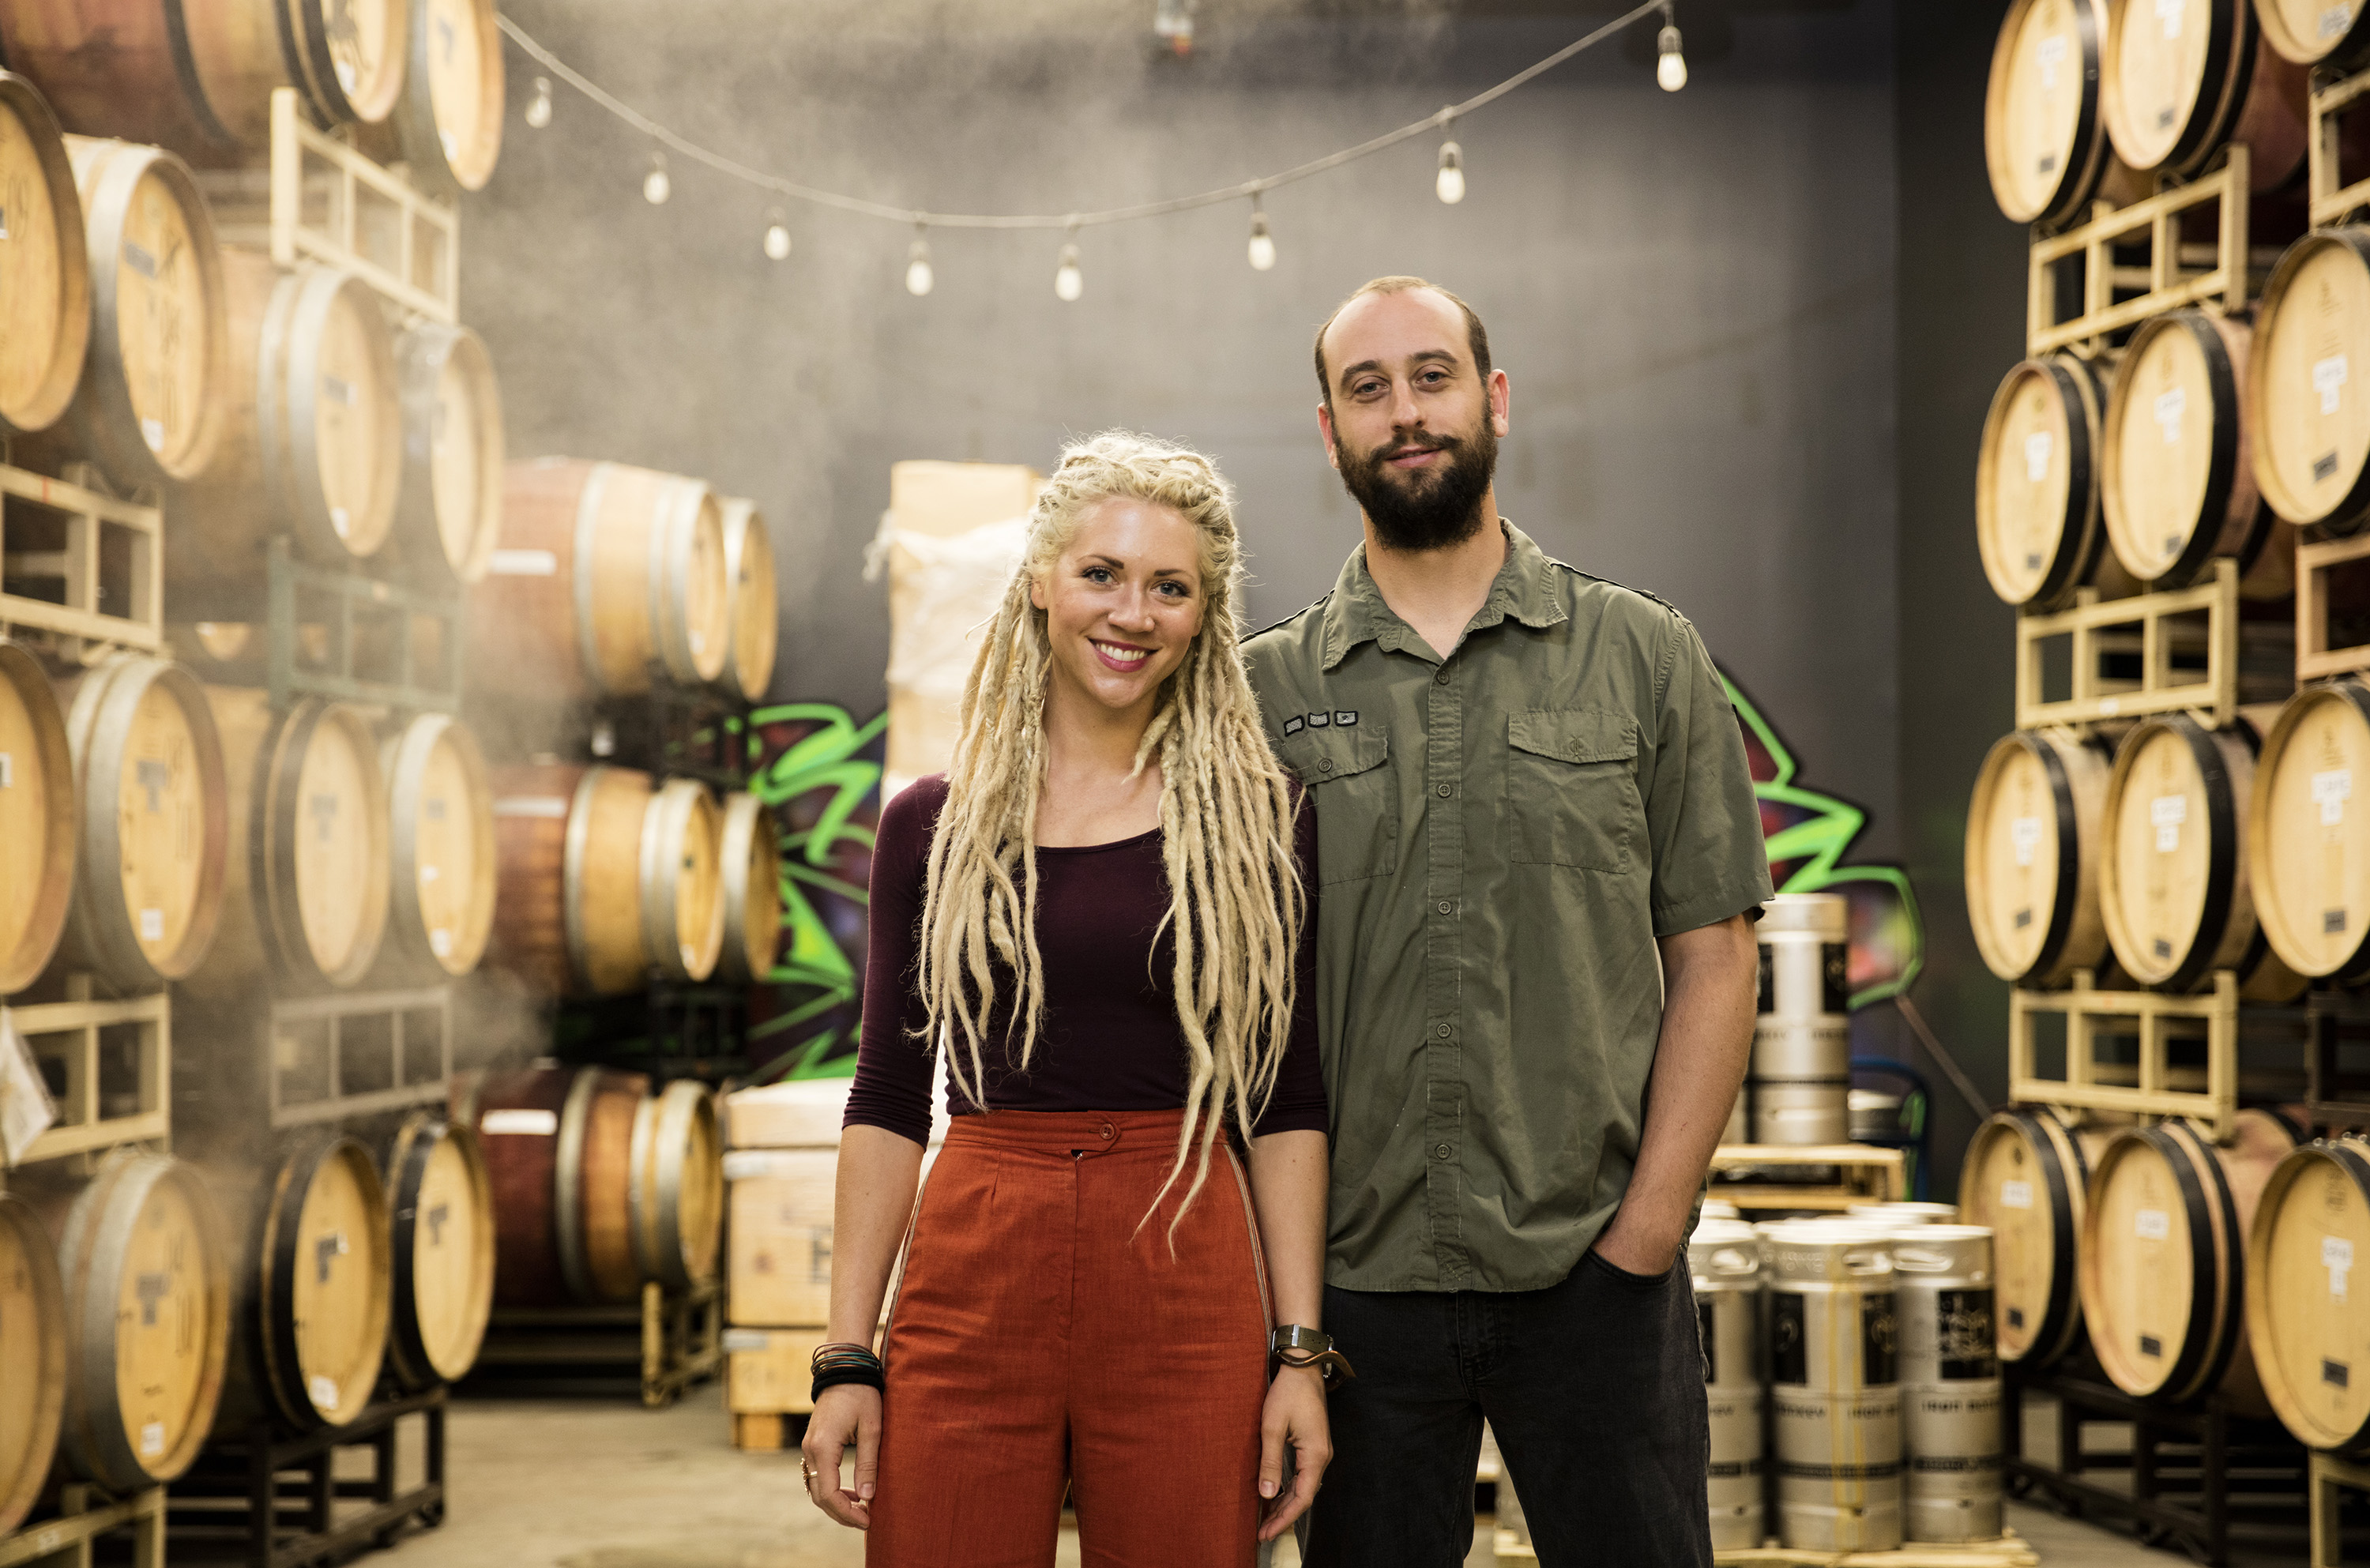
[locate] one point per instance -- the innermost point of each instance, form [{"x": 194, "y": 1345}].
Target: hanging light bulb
[
  {"x": 538, "y": 108},
  {"x": 919, "y": 278},
  {"x": 1069, "y": 282},
  {"x": 777, "y": 236},
  {"x": 1671, "y": 70},
  {"x": 1450, "y": 186},
  {"x": 1262, "y": 245},
  {"x": 656, "y": 187}
]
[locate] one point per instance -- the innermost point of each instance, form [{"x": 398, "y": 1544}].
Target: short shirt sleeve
[{"x": 1709, "y": 858}]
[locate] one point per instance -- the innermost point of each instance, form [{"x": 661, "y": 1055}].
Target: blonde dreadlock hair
[{"x": 1235, "y": 902}]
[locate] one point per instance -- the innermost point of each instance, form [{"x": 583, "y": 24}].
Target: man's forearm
[{"x": 1699, "y": 1062}]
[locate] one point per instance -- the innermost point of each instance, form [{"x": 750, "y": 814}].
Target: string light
[
  {"x": 1450, "y": 186},
  {"x": 538, "y": 108},
  {"x": 656, "y": 185},
  {"x": 1671, "y": 70},
  {"x": 1263, "y": 245},
  {"x": 919, "y": 278},
  {"x": 777, "y": 234},
  {"x": 1069, "y": 281}
]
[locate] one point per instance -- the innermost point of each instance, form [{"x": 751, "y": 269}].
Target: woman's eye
[{"x": 1097, "y": 574}]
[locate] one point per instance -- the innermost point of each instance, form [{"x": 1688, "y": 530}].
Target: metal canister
[
  {"x": 1950, "y": 1389},
  {"x": 1902, "y": 1212},
  {"x": 1800, "y": 1082},
  {"x": 1725, "y": 1256},
  {"x": 1834, "y": 1386}
]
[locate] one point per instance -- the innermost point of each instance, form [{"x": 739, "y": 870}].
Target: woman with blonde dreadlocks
[{"x": 1097, "y": 916}]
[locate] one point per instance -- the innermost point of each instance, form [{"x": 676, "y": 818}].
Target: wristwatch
[{"x": 1297, "y": 1346}]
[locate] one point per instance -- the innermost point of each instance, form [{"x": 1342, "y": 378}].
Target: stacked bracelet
[{"x": 843, "y": 1363}]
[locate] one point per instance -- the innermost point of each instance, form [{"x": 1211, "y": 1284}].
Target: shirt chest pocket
[
  {"x": 1350, "y": 790},
  {"x": 1571, "y": 789}
]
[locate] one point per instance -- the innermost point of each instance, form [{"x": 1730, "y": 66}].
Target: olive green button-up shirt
[{"x": 1501, "y": 835}]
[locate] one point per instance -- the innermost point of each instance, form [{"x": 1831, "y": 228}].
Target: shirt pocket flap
[
  {"x": 1319, "y": 756},
  {"x": 1577, "y": 734}
]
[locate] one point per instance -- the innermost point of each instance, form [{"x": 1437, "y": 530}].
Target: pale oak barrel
[
  {"x": 559, "y": 1148},
  {"x": 33, "y": 1358},
  {"x": 2308, "y": 1319},
  {"x": 38, "y": 819},
  {"x": 447, "y": 125},
  {"x": 2180, "y": 79},
  {"x": 2044, "y": 140},
  {"x": 753, "y": 609},
  {"x": 2312, "y": 331},
  {"x": 2037, "y": 522},
  {"x": 2316, "y": 32},
  {"x": 568, "y": 844},
  {"x": 751, "y": 855},
  {"x": 440, "y": 1204},
  {"x": 2026, "y": 1177},
  {"x": 449, "y": 511},
  {"x": 440, "y": 843},
  {"x": 2033, "y": 854},
  {"x": 44, "y": 264},
  {"x": 682, "y": 885},
  {"x": 2307, "y": 844},
  {"x": 677, "y": 1213}
]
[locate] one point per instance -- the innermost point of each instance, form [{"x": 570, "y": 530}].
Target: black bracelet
[{"x": 830, "y": 1377}]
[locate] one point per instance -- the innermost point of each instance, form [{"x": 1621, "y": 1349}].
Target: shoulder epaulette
[
  {"x": 1296, "y": 614},
  {"x": 1641, "y": 592}
]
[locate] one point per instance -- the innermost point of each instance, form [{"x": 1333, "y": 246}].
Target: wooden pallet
[
  {"x": 2159, "y": 1018},
  {"x": 2164, "y": 284},
  {"x": 2090, "y": 620},
  {"x": 68, "y": 1032},
  {"x": 2326, "y": 1475},
  {"x": 86, "y": 612},
  {"x": 1867, "y": 1175},
  {"x": 2008, "y": 1552},
  {"x": 65, "y": 1541},
  {"x": 2314, "y": 560},
  {"x": 2332, "y": 202}
]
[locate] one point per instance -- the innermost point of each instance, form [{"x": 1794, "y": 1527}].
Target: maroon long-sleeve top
[{"x": 1110, "y": 1039}]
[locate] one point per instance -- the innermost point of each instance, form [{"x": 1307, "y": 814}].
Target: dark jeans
[{"x": 1595, "y": 1390}]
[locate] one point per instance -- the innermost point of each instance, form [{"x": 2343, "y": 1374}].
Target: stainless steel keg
[
  {"x": 1834, "y": 1380},
  {"x": 1951, "y": 1390},
  {"x": 1801, "y": 1081},
  {"x": 1901, "y": 1211},
  {"x": 1725, "y": 1256}
]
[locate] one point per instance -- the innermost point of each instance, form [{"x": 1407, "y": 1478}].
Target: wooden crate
[
  {"x": 2157, "y": 1019},
  {"x": 2164, "y": 284},
  {"x": 2214, "y": 699},
  {"x": 1867, "y": 1174},
  {"x": 768, "y": 1379},
  {"x": 778, "y": 1235},
  {"x": 65, "y": 1541}
]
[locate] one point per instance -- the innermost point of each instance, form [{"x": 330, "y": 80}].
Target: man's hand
[
  {"x": 1634, "y": 1250},
  {"x": 847, "y": 1413}
]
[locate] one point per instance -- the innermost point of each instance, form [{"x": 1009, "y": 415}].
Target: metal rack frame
[{"x": 236, "y": 1491}]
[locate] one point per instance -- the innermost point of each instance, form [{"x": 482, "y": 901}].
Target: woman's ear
[{"x": 1037, "y": 592}]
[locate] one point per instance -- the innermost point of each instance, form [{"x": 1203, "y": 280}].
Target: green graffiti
[
  {"x": 812, "y": 957},
  {"x": 1820, "y": 842}
]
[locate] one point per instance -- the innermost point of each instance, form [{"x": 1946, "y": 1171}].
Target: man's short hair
[{"x": 1476, "y": 335}]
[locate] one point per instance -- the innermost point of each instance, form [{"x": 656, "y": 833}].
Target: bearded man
[{"x": 1529, "y": 786}]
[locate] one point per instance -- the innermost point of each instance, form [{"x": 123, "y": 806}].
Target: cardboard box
[
  {"x": 778, "y": 1236},
  {"x": 946, "y": 499},
  {"x": 805, "y": 1115},
  {"x": 769, "y": 1371}
]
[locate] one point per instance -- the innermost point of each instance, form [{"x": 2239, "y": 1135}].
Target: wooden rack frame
[
  {"x": 285, "y": 576},
  {"x": 2157, "y": 1018},
  {"x": 2331, "y": 201},
  {"x": 68, "y": 1032},
  {"x": 2325, "y": 1476},
  {"x": 2165, "y": 285},
  {"x": 88, "y": 513},
  {"x": 2215, "y": 698},
  {"x": 65, "y": 1541},
  {"x": 2314, "y": 560},
  {"x": 335, "y": 1012},
  {"x": 1867, "y": 1174}
]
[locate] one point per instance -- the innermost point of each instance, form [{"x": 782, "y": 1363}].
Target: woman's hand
[
  {"x": 1295, "y": 1415},
  {"x": 849, "y": 1412}
]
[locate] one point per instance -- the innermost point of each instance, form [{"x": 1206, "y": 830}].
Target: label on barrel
[
  {"x": 2168, "y": 408},
  {"x": 439, "y": 942},
  {"x": 2336, "y": 1374},
  {"x": 2037, "y": 448},
  {"x": 324, "y": 1393},
  {"x": 2016, "y": 1194},
  {"x": 2335, "y": 20},
  {"x": 2167, "y": 813},
  {"x": 532, "y": 1123},
  {"x": 2169, "y": 13},
  {"x": 552, "y": 806},
  {"x": 152, "y": 432},
  {"x": 140, "y": 258},
  {"x": 337, "y": 390},
  {"x": 2337, "y": 1257},
  {"x": 152, "y": 1439},
  {"x": 152, "y": 925},
  {"x": 341, "y": 520},
  {"x": 2151, "y": 1225},
  {"x": 2024, "y": 833},
  {"x": 8, "y": 775},
  {"x": 524, "y": 564},
  {"x": 2324, "y": 468},
  {"x": 743, "y": 1341},
  {"x": 2329, "y": 379},
  {"x": 2049, "y": 57},
  {"x": 2330, "y": 791}
]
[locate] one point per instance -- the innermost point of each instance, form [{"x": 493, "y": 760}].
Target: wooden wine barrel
[
  {"x": 2316, "y": 32},
  {"x": 442, "y": 1252},
  {"x": 447, "y": 125},
  {"x": 146, "y": 1268},
  {"x": 2026, "y": 1174},
  {"x": 154, "y": 824},
  {"x": 2180, "y": 79},
  {"x": 314, "y": 445},
  {"x": 37, "y": 819},
  {"x": 197, "y": 75},
  {"x": 45, "y": 308},
  {"x": 751, "y": 601},
  {"x": 312, "y": 1292},
  {"x": 2308, "y": 845},
  {"x": 750, "y": 849},
  {"x": 440, "y": 838},
  {"x": 678, "y": 1201},
  {"x": 2172, "y": 878},
  {"x": 558, "y": 1146},
  {"x": 449, "y": 516},
  {"x": 2033, "y": 854},
  {"x": 32, "y": 1359},
  {"x": 151, "y": 403},
  {"x": 306, "y": 896},
  {"x": 2164, "y": 1258},
  {"x": 2177, "y": 482},
  {"x": 2307, "y": 1322},
  {"x": 683, "y": 884},
  {"x": 2037, "y": 522},
  {"x": 2044, "y": 140},
  {"x": 605, "y": 572},
  {"x": 567, "y": 848},
  {"x": 2312, "y": 438}
]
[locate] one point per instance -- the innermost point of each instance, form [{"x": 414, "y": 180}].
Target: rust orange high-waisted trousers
[{"x": 1039, "y": 1341}]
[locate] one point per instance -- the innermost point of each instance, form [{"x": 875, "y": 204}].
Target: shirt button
[
  {"x": 1441, "y": 1151},
  {"x": 1446, "y": 791},
  {"x": 1441, "y": 679},
  {"x": 1446, "y": 907},
  {"x": 1324, "y": 764},
  {"x": 1445, "y": 1032}
]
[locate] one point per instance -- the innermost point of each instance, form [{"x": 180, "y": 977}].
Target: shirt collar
[{"x": 1523, "y": 589}]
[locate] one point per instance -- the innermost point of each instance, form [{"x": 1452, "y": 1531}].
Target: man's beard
[{"x": 1429, "y": 508}]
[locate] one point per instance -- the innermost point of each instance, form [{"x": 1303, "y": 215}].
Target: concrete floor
[{"x": 603, "y": 1484}]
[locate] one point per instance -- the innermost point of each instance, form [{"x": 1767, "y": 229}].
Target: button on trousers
[{"x": 1043, "y": 1337}]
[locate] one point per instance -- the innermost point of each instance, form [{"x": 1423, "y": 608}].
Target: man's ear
[
  {"x": 1325, "y": 428},
  {"x": 1500, "y": 402}
]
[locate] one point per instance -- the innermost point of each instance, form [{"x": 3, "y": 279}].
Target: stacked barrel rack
[{"x": 2163, "y": 861}]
